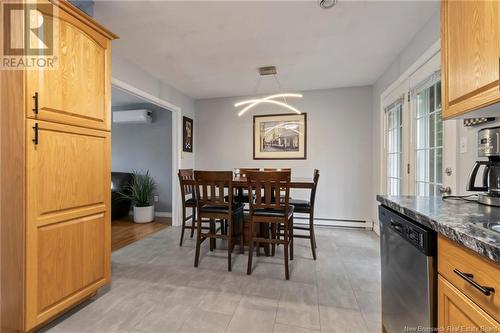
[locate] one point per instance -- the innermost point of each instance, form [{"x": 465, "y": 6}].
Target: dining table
[
  {"x": 295, "y": 182},
  {"x": 241, "y": 182}
]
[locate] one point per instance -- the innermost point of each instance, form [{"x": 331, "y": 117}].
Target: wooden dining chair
[
  {"x": 188, "y": 201},
  {"x": 270, "y": 213},
  {"x": 212, "y": 205},
  {"x": 241, "y": 194},
  {"x": 307, "y": 207}
]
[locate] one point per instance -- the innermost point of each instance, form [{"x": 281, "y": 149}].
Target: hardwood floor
[{"x": 125, "y": 232}]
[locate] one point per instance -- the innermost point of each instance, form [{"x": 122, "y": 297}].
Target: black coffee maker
[{"x": 489, "y": 146}]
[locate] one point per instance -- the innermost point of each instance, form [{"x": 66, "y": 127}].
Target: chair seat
[
  {"x": 272, "y": 212},
  {"x": 300, "y": 205},
  {"x": 221, "y": 209}
]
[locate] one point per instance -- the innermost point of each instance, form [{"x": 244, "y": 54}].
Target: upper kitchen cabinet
[
  {"x": 470, "y": 45},
  {"x": 77, "y": 91}
]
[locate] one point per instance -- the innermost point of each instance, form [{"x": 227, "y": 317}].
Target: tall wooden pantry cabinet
[{"x": 55, "y": 174}]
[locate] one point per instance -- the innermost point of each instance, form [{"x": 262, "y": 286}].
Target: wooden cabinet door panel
[
  {"x": 470, "y": 55},
  {"x": 76, "y": 91},
  {"x": 68, "y": 172},
  {"x": 457, "y": 313},
  {"x": 70, "y": 258},
  {"x": 68, "y": 217}
]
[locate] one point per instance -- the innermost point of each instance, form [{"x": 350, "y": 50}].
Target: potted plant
[{"x": 140, "y": 192}]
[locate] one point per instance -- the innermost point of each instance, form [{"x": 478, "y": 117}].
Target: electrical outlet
[
  {"x": 156, "y": 198},
  {"x": 463, "y": 145}
]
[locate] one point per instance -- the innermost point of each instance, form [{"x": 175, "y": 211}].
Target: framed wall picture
[
  {"x": 280, "y": 137},
  {"x": 187, "y": 134}
]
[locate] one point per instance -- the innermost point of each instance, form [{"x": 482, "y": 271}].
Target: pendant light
[{"x": 271, "y": 99}]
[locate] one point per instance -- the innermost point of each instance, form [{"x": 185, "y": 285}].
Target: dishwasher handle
[
  {"x": 470, "y": 279},
  {"x": 398, "y": 227}
]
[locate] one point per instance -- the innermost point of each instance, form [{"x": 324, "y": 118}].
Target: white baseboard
[
  {"x": 163, "y": 214},
  {"x": 157, "y": 214},
  {"x": 360, "y": 224}
]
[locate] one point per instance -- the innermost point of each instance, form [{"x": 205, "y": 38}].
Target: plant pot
[{"x": 144, "y": 214}]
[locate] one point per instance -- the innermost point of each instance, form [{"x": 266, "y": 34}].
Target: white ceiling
[
  {"x": 213, "y": 48},
  {"x": 120, "y": 98}
]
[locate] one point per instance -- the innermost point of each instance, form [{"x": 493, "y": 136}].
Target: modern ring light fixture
[{"x": 265, "y": 71}]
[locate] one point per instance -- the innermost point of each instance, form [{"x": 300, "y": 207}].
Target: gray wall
[
  {"x": 339, "y": 123},
  {"x": 417, "y": 46},
  {"x": 130, "y": 73},
  {"x": 147, "y": 147}
]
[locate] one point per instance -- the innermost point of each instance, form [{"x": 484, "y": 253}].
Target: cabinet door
[
  {"x": 68, "y": 217},
  {"x": 470, "y": 55},
  {"x": 457, "y": 313},
  {"x": 76, "y": 91}
]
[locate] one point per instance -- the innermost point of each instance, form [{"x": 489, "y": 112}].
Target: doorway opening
[{"x": 144, "y": 139}]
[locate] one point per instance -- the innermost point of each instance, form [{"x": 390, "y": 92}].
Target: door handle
[
  {"x": 35, "y": 100},
  {"x": 35, "y": 129},
  {"x": 470, "y": 279},
  {"x": 443, "y": 189}
]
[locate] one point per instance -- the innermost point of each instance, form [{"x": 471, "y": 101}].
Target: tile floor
[{"x": 156, "y": 289}]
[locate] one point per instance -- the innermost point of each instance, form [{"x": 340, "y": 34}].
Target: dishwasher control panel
[{"x": 420, "y": 236}]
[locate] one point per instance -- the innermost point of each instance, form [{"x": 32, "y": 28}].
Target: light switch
[{"x": 463, "y": 145}]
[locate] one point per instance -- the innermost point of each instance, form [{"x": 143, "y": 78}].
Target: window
[
  {"x": 414, "y": 134},
  {"x": 429, "y": 138},
  {"x": 394, "y": 147}
]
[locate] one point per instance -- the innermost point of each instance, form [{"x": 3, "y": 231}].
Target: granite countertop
[{"x": 461, "y": 221}]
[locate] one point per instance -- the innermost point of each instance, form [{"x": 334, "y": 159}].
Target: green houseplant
[{"x": 140, "y": 192}]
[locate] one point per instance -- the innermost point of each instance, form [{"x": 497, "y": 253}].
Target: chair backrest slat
[
  {"x": 211, "y": 187},
  {"x": 269, "y": 187},
  {"x": 186, "y": 175},
  {"x": 315, "y": 186}
]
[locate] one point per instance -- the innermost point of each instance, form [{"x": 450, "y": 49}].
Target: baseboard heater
[{"x": 327, "y": 222}]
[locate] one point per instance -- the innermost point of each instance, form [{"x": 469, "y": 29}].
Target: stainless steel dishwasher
[{"x": 409, "y": 273}]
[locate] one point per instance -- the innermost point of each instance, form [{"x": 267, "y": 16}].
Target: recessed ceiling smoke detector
[{"x": 327, "y": 4}]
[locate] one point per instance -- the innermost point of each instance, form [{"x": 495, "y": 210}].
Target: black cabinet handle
[
  {"x": 470, "y": 278},
  {"x": 35, "y": 128},
  {"x": 35, "y": 100}
]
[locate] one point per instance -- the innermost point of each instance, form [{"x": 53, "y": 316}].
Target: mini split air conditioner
[{"x": 142, "y": 116}]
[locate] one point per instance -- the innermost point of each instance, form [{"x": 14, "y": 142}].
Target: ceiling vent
[
  {"x": 327, "y": 4},
  {"x": 141, "y": 116}
]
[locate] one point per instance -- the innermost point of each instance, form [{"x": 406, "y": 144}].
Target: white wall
[
  {"x": 417, "y": 46},
  {"x": 131, "y": 74},
  {"x": 339, "y": 123}
]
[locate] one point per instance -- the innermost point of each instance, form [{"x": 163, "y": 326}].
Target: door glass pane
[
  {"x": 429, "y": 141},
  {"x": 394, "y": 146}
]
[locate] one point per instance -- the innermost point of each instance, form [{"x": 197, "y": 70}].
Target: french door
[{"x": 414, "y": 135}]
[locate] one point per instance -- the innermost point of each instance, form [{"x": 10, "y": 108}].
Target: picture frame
[
  {"x": 187, "y": 134},
  {"x": 280, "y": 137}
]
